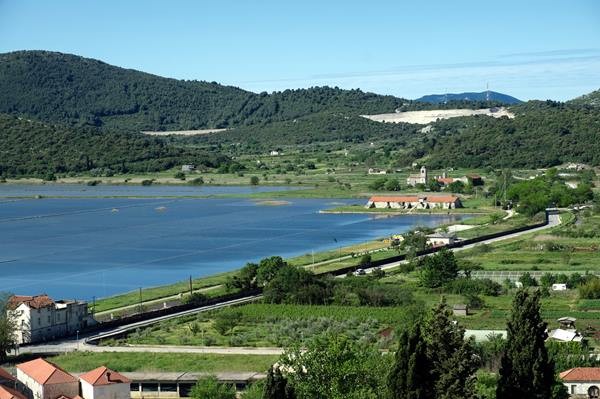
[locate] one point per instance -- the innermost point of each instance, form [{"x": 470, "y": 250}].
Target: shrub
[
  {"x": 147, "y": 182},
  {"x": 466, "y": 286},
  {"x": 198, "y": 181},
  {"x": 590, "y": 289}
]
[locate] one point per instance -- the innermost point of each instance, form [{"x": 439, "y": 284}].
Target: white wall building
[
  {"x": 421, "y": 178},
  {"x": 40, "y": 318},
  {"x": 39, "y": 379},
  {"x": 582, "y": 382},
  {"x": 103, "y": 383}
]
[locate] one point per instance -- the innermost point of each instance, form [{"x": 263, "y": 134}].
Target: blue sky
[{"x": 527, "y": 48}]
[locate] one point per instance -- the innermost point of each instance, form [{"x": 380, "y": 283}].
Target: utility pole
[
  {"x": 191, "y": 288},
  {"x": 93, "y": 306}
]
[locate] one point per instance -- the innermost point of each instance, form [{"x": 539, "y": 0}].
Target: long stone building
[{"x": 414, "y": 202}]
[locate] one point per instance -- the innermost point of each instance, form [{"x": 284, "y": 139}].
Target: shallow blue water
[
  {"x": 103, "y": 190},
  {"x": 80, "y": 248}
]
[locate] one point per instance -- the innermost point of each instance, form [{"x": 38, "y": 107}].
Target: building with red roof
[
  {"x": 40, "y": 318},
  {"x": 582, "y": 382},
  {"x": 103, "y": 383},
  {"x": 414, "y": 202},
  {"x": 40, "y": 379}
]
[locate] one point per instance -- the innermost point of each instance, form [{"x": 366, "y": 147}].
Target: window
[
  {"x": 168, "y": 387},
  {"x": 150, "y": 387},
  {"x": 573, "y": 388},
  {"x": 134, "y": 387},
  {"x": 184, "y": 390}
]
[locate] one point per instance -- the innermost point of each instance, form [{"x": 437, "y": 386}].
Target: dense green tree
[
  {"x": 526, "y": 371},
  {"x": 246, "y": 278},
  {"x": 7, "y": 328},
  {"x": 410, "y": 376},
  {"x": 276, "y": 386},
  {"x": 296, "y": 285},
  {"x": 254, "y": 180},
  {"x": 268, "y": 268},
  {"x": 211, "y": 388},
  {"x": 438, "y": 269},
  {"x": 336, "y": 367}
]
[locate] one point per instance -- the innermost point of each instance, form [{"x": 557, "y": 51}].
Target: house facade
[
  {"x": 414, "y": 202},
  {"x": 582, "y": 382},
  {"x": 103, "y": 383},
  {"x": 440, "y": 239},
  {"x": 421, "y": 178},
  {"x": 40, "y": 318},
  {"x": 40, "y": 379}
]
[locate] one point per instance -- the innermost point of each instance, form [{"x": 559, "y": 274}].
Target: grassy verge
[{"x": 165, "y": 362}]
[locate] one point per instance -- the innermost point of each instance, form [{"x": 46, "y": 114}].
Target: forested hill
[
  {"x": 56, "y": 87},
  {"x": 31, "y": 148},
  {"x": 543, "y": 133},
  {"x": 591, "y": 99}
]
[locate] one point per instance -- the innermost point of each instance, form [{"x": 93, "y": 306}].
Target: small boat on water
[
  {"x": 160, "y": 208},
  {"x": 114, "y": 210}
]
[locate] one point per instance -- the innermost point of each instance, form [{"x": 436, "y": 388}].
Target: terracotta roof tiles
[
  {"x": 581, "y": 374},
  {"x": 34, "y": 302},
  {"x": 414, "y": 198},
  {"x": 103, "y": 376},
  {"x": 45, "y": 372}
]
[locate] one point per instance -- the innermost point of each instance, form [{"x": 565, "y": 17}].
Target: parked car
[{"x": 360, "y": 272}]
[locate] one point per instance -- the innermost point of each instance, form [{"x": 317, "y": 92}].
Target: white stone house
[
  {"x": 40, "y": 318},
  {"x": 40, "y": 379},
  {"x": 188, "y": 168},
  {"x": 421, "y": 178},
  {"x": 440, "y": 239},
  {"x": 103, "y": 383},
  {"x": 375, "y": 171},
  {"x": 582, "y": 382}
]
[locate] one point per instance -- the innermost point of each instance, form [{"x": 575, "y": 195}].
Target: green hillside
[
  {"x": 542, "y": 134},
  {"x": 56, "y": 87},
  {"x": 31, "y": 148}
]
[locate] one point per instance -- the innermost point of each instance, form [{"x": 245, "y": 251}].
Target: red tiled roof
[
  {"x": 5, "y": 375},
  {"x": 100, "y": 376},
  {"x": 34, "y": 302},
  {"x": 45, "y": 372},
  {"x": 414, "y": 198},
  {"x": 582, "y": 374},
  {"x": 446, "y": 180},
  {"x": 8, "y": 393},
  {"x": 66, "y": 397}
]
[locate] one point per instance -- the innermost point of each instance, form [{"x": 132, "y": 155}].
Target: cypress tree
[
  {"x": 453, "y": 360},
  {"x": 526, "y": 371},
  {"x": 409, "y": 377}
]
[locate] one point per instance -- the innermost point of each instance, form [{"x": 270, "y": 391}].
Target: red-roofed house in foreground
[
  {"x": 414, "y": 201},
  {"x": 40, "y": 379},
  {"x": 103, "y": 383},
  {"x": 582, "y": 382}
]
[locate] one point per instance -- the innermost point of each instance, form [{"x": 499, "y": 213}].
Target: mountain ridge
[{"x": 469, "y": 96}]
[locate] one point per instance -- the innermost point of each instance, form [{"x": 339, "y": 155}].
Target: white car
[{"x": 360, "y": 272}]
